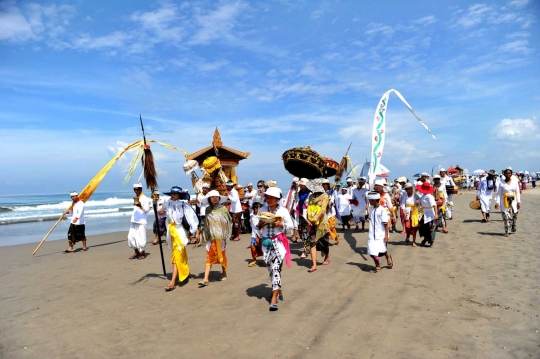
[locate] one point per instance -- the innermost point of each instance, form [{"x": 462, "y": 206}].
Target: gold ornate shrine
[{"x": 227, "y": 156}]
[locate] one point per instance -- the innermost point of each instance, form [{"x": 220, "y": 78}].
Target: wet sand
[{"x": 475, "y": 295}]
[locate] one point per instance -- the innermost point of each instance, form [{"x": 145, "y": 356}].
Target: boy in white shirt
[
  {"x": 378, "y": 232},
  {"x": 256, "y": 247}
]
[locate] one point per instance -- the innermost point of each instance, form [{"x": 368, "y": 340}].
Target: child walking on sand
[
  {"x": 378, "y": 232},
  {"x": 256, "y": 247}
]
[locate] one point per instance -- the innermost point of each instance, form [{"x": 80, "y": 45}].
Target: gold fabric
[
  {"x": 323, "y": 227},
  {"x": 179, "y": 255}
]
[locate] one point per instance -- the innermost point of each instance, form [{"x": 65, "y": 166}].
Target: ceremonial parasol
[
  {"x": 479, "y": 172},
  {"x": 452, "y": 170},
  {"x": 304, "y": 162}
]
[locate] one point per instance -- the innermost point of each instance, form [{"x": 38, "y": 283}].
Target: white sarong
[
  {"x": 137, "y": 236},
  {"x": 485, "y": 203}
]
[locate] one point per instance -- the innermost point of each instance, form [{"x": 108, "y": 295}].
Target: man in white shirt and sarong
[
  {"x": 76, "y": 230},
  {"x": 484, "y": 193},
  {"x": 360, "y": 204},
  {"x": 139, "y": 218}
]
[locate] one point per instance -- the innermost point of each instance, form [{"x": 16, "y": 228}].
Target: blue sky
[{"x": 271, "y": 75}]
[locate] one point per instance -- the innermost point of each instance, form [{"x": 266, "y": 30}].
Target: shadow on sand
[{"x": 261, "y": 291}]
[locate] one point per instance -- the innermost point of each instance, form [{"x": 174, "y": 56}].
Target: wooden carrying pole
[
  {"x": 150, "y": 177},
  {"x": 48, "y": 233}
]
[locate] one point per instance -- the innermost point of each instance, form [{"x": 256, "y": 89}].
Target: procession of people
[{"x": 311, "y": 211}]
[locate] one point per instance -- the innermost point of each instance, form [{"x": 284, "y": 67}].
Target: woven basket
[{"x": 475, "y": 204}]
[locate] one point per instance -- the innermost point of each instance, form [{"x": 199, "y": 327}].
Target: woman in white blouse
[
  {"x": 275, "y": 244},
  {"x": 509, "y": 201}
]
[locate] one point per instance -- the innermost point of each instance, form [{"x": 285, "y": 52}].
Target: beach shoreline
[{"x": 475, "y": 294}]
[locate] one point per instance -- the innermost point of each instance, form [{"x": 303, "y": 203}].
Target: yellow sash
[
  {"x": 179, "y": 253},
  {"x": 506, "y": 201},
  {"x": 414, "y": 214}
]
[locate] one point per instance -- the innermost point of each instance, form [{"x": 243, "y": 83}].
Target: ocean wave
[
  {"x": 5, "y": 209},
  {"x": 113, "y": 201},
  {"x": 53, "y": 217}
]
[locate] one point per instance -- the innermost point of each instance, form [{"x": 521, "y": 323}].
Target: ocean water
[{"x": 28, "y": 218}]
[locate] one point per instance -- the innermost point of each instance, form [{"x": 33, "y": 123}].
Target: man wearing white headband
[
  {"x": 360, "y": 204},
  {"x": 378, "y": 232},
  {"x": 76, "y": 230},
  {"x": 139, "y": 218}
]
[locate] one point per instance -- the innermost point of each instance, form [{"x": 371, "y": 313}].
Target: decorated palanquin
[{"x": 218, "y": 163}]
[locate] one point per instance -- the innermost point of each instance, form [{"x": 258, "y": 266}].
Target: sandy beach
[{"x": 475, "y": 295}]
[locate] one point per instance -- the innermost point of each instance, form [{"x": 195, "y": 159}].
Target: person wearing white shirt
[
  {"x": 249, "y": 194},
  {"x": 344, "y": 207},
  {"x": 428, "y": 214},
  {"x": 255, "y": 246},
  {"x": 275, "y": 244},
  {"x": 447, "y": 181},
  {"x": 235, "y": 210},
  {"x": 137, "y": 231},
  {"x": 350, "y": 186},
  {"x": 76, "y": 230},
  {"x": 378, "y": 232},
  {"x": 160, "y": 224},
  {"x": 183, "y": 222},
  {"x": 409, "y": 209},
  {"x": 484, "y": 193},
  {"x": 360, "y": 204},
  {"x": 508, "y": 199},
  {"x": 201, "y": 205}
]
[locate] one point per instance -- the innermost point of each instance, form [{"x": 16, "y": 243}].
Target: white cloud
[
  {"x": 519, "y": 3},
  {"x": 474, "y": 16},
  {"x": 376, "y": 28},
  {"x": 316, "y": 14},
  {"x": 217, "y": 24},
  {"x": 33, "y": 21},
  {"x": 517, "y": 129},
  {"x": 160, "y": 23},
  {"x": 212, "y": 66},
  {"x": 426, "y": 20},
  {"x": 519, "y": 46},
  {"x": 114, "y": 40}
]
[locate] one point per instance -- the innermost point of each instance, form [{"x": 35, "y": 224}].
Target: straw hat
[
  {"x": 315, "y": 186},
  {"x": 213, "y": 193}
]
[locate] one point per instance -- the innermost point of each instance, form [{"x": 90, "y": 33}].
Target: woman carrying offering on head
[
  {"x": 319, "y": 228},
  {"x": 275, "y": 244},
  {"x": 215, "y": 234},
  {"x": 508, "y": 199},
  {"x": 183, "y": 221}
]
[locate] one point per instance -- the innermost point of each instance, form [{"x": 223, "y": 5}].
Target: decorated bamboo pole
[
  {"x": 48, "y": 234},
  {"x": 150, "y": 176}
]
